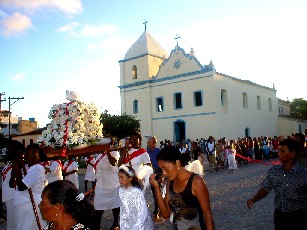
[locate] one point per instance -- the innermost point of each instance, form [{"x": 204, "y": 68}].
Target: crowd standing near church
[{"x": 19, "y": 177}]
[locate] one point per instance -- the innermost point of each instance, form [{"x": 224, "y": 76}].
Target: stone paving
[{"x": 228, "y": 195}]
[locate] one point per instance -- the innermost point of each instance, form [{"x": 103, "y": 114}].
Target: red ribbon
[
  {"x": 60, "y": 163},
  {"x": 65, "y": 132},
  {"x": 257, "y": 161},
  {"x": 6, "y": 170},
  {"x": 68, "y": 164},
  {"x": 134, "y": 155},
  {"x": 99, "y": 159}
]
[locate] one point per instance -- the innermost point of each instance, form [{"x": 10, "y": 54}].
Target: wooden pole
[
  {"x": 33, "y": 202},
  {"x": 56, "y": 153}
]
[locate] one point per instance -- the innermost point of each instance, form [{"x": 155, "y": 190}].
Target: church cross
[
  {"x": 177, "y": 38},
  {"x": 145, "y": 22}
]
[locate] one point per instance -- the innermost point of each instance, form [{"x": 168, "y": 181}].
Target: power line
[
  {"x": 1, "y": 100},
  {"x": 16, "y": 99}
]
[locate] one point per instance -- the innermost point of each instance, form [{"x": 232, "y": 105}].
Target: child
[
  {"x": 134, "y": 213},
  {"x": 231, "y": 153}
]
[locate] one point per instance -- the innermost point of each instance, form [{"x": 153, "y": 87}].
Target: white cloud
[
  {"x": 15, "y": 24},
  {"x": 69, "y": 27},
  {"x": 19, "y": 76},
  {"x": 89, "y": 30},
  {"x": 67, "y": 6}
]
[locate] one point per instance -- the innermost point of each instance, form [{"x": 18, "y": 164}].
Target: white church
[{"x": 176, "y": 97}]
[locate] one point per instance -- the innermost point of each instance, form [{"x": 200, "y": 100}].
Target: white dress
[
  {"x": 134, "y": 213},
  {"x": 90, "y": 171},
  {"x": 232, "y": 164},
  {"x": 107, "y": 184},
  {"x": 72, "y": 177}
]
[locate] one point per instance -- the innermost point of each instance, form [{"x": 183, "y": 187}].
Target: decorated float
[{"x": 74, "y": 130}]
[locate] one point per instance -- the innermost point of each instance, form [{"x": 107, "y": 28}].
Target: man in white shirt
[
  {"x": 14, "y": 147},
  {"x": 28, "y": 182}
]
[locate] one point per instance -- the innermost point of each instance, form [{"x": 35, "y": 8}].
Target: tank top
[{"x": 184, "y": 205}]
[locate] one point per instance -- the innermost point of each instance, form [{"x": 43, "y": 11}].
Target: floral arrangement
[{"x": 74, "y": 125}]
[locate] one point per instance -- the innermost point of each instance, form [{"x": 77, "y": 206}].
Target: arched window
[
  {"x": 135, "y": 106},
  {"x": 134, "y": 72}
]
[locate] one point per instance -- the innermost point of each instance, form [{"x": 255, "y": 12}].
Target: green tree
[
  {"x": 118, "y": 125},
  {"x": 298, "y": 108}
]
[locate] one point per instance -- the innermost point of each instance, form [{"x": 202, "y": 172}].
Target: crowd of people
[{"x": 41, "y": 194}]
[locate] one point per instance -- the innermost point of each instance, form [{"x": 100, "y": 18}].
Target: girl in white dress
[
  {"x": 231, "y": 153},
  {"x": 134, "y": 213}
]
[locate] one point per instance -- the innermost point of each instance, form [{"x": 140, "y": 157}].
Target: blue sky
[{"x": 48, "y": 46}]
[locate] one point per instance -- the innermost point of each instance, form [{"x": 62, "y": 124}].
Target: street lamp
[{"x": 16, "y": 99}]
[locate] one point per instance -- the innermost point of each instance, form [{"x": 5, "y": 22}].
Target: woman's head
[
  {"x": 135, "y": 139},
  {"x": 59, "y": 197},
  {"x": 170, "y": 160},
  {"x": 15, "y": 149},
  {"x": 33, "y": 154},
  {"x": 127, "y": 177}
]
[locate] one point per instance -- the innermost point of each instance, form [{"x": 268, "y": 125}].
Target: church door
[
  {"x": 247, "y": 134},
  {"x": 179, "y": 131}
]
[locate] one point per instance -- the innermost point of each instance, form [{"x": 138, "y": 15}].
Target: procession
[
  {"x": 41, "y": 185},
  {"x": 153, "y": 115},
  {"x": 148, "y": 213}
]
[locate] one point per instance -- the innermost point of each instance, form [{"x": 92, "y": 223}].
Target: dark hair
[
  {"x": 14, "y": 149},
  {"x": 136, "y": 182},
  {"x": 292, "y": 145},
  {"x": 171, "y": 154},
  {"x": 42, "y": 155},
  {"x": 65, "y": 192},
  {"x": 138, "y": 134},
  {"x": 300, "y": 137}
]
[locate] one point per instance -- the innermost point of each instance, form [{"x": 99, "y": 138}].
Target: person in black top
[{"x": 186, "y": 193}]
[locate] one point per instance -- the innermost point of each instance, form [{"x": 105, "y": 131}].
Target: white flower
[{"x": 72, "y": 123}]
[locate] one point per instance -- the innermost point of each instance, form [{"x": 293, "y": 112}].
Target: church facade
[{"x": 175, "y": 97}]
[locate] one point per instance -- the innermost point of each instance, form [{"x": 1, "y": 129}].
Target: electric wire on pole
[{"x": 16, "y": 99}]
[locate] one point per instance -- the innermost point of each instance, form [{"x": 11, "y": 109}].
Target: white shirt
[
  {"x": 106, "y": 174},
  {"x": 35, "y": 179},
  {"x": 182, "y": 150},
  {"x": 90, "y": 171},
  {"x": 7, "y": 191},
  {"x": 138, "y": 161},
  {"x": 55, "y": 172},
  {"x": 211, "y": 147},
  {"x": 72, "y": 177}
]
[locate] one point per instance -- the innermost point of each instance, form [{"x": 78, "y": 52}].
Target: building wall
[
  {"x": 26, "y": 139},
  {"x": 26, "y": 126},
  {"x": 233, "y": 122},
  {"x": 284, "y": 107},
  {"x": 182, "y": 73},
  {"x": 287, "y": 126},
  {"x": 4, "y": 122}
]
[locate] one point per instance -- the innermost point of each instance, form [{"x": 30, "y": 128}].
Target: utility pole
[
  {"x": 1, "y": 100},
  {"x": 16, "y": 99}
]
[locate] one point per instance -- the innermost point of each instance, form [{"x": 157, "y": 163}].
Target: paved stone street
[{"x": 228, "y": 194}]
